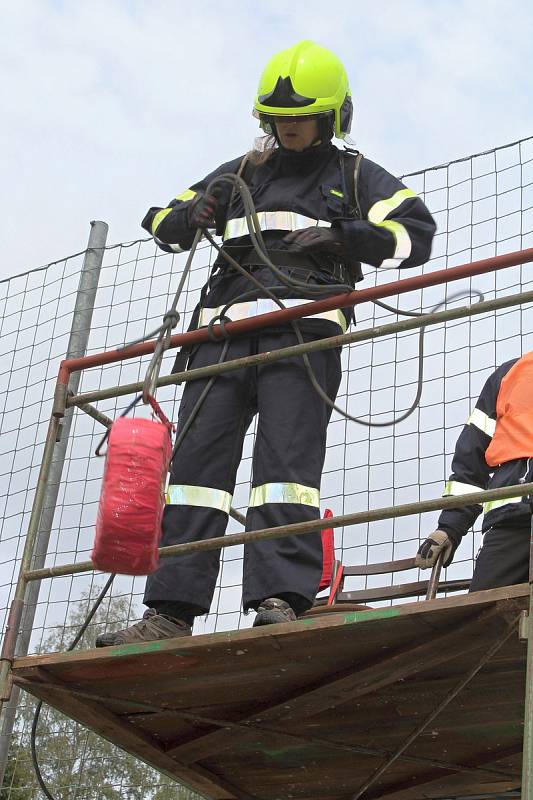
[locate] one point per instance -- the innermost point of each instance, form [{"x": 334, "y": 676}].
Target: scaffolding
[{"x": 493, "y": 328}]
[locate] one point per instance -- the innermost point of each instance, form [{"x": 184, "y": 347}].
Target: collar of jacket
[{"x": 303, "y": 159}]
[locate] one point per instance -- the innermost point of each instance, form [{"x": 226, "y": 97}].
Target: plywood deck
[{"x": 310, "y": 710}]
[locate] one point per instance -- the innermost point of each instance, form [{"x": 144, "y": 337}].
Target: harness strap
[{"x": 246, "y": 171}]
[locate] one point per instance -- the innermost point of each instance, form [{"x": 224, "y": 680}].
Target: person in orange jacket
[{"x": 494, "y": 449}]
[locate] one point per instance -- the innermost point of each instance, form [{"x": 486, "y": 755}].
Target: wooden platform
[{"x": 310, "y": 710}]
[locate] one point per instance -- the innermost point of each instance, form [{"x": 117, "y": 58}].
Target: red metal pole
[{"x": 286, "y": 315}]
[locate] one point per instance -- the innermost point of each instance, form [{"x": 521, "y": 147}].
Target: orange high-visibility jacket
[
  {"x": 513, "y": 437},
  {"x": 494, "y": 449}
]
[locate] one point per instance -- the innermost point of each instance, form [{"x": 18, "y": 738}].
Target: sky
[
  {"x": 111, "y": 106},
  {"x": 108, "y": 108}
]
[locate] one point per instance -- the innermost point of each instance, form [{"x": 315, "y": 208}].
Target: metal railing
[
  {"x": 75, "y": 365},
  {"x": 453, "y": 192}
]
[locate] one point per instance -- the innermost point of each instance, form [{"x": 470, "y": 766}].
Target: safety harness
[{"x": 350, "y": 166}]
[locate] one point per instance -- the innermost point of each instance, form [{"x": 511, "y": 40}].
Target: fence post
[
  {"x": 527, "y": 634},
  {"x": 77, "y": 347}
]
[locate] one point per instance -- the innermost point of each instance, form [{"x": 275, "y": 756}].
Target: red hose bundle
[{"x": 128, "y": 525}]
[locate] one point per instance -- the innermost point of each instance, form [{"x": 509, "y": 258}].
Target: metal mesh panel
[{"x": 483, "y": 206}]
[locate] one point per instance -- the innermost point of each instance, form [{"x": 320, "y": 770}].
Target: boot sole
[
  {"x": 100, "y": 643},
  {"x": 269, "y": 618}
]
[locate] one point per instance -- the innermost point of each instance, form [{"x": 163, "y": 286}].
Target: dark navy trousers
[
  {"x": 503, "y": 559},
  {"x": 288, "y": 458}
]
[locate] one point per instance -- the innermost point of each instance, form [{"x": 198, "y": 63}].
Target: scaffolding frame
[{"x": 65, "y": 399}]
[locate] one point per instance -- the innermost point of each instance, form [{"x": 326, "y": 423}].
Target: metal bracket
[
  {"x": 523, "y": 626},
  {"x": 60, "y": 399},
  {"x": 7, "y": 688}
]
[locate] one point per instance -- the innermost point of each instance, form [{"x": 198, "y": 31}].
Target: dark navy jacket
[{"x": 294, "y": 190}]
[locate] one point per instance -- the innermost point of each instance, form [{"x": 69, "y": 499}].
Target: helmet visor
[{"x": 273, "y": 118}]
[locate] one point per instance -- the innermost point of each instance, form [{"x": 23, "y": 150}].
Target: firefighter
[
  {"x": 304, "y": 188},
  {"x": 493, "y": 450}
]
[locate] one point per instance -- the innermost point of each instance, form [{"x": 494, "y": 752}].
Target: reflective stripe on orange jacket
[{"x": 513, "y": 437}]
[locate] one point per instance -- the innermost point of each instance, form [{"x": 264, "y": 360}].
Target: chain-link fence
[{"x": 483, "y": 206}]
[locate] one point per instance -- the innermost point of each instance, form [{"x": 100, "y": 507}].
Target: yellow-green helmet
[{"x": 305, "y": 79}]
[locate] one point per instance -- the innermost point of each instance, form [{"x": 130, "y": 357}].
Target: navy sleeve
[
  {"x": 470, "y": 471},
  {"x": 396, "y": 230},
  {"x": 169, "y": 226}
]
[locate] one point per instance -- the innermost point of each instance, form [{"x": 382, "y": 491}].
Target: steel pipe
[
  {"x": 318, "y": 306},
  {"x": 311, "y": 526},
  {"x": 317, "y": 344}
]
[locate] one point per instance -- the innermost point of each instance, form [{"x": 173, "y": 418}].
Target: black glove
[
  {"x": 436, "y": 543},
  {"x": 315, "y": 238},
  {"x": 201, "y": 212}
]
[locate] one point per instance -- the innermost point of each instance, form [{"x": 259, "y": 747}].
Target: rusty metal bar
[
  {"x": 287, "y": 315},
  {"x": 236, "y": 515},
  {"x": 313, "y": 346},
  {"x": 69, "y": 366},
  {"x": 433, "y": 584},
  {"x": 93, "y": 412},
  {"x": 301, "y": 528}
]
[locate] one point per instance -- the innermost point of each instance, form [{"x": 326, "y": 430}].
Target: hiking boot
[
  {"x": 273, "y": 610},
  {"x": 152, "y": 626}
]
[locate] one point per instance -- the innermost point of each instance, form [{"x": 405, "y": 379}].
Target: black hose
[
  {"x": 170, "y": 321},
  {"x": 261, "y": 250}
]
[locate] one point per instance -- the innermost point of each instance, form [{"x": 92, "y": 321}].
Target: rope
[
  {"x": 261, "y": 250},
  {"x": 164, "y": 332}
]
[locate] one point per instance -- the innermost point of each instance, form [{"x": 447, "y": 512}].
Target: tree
[
  {"x": 19, "y": 778},
  {"x": 76, "y": 764}
]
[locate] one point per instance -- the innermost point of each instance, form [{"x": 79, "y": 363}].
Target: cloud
[{"x": 111, "y": 107}]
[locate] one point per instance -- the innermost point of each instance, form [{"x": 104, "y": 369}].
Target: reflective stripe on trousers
[
  {"x": 203, "y": 496},
  {"x": 206, "y": 497},
  {"x": 284, "y": 493},
  {"x": 287, "y": 462}
]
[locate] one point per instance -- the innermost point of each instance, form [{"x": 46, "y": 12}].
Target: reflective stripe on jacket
[
  {"x": 298, "y": 190},
  {"x": 292, "y": 191}
]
